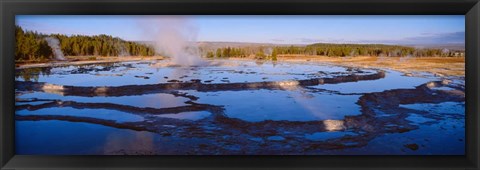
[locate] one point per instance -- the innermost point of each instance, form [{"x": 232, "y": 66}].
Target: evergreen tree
[{"x": 32, "y": 46}]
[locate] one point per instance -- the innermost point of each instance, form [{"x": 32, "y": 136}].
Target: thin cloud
[
  {"x": 310, "y": 40},
  {"x": 439, "y": 38},
  {"x": 277, "y": 40},
  {"x": 319, "y": 40},
  {"x": 423, "y": 39}
]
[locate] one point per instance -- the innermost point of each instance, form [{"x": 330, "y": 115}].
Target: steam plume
[
  {"x": 268, "y": 51},
  {"x": 122, "y": 50},
  {"x": 55, "y": 46},
  {"x": 175, "y": 37}
]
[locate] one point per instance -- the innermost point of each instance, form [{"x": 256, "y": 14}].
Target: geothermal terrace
[{"x": 238, "y": 107}]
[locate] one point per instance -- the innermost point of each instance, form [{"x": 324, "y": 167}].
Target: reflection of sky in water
[
  {"x": 258, "y": 105},
  {"x": 323, "y": 136},
  {"x": 187, "y": 115},
  {"x": 74, "y": 138},
  {"x": 445, "y": 137},
  {"x": 296, "y": 104},
  {"x": 392, "y": 80},
  {"x": 31, "y": 103},
  {"x": 443, "y": 88},
  {"x": 230, "y": 71},
  {"x": 445, "y": 107},
  {"x": 418, "y": 119},
  {"x": 159, "y": 100},
  {"x": 67, "y": 138},
  {"x": 105, "y": 114}
]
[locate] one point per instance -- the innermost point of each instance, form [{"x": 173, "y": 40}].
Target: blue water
[
  {"x": 159, "y": 72},
  {"x": 105, "y": 114},
  {"x": 445, "y": 107},
  {"x": 188, "y": 115},
  {"x": 156, "y": 100},
  {"x": 392, "y": 80},
  {"x": 67, "y": 138},
  {"x": 294, "y": 103}
]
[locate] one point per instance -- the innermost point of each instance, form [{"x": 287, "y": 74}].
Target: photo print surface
[{"x": 240, "y": 85}]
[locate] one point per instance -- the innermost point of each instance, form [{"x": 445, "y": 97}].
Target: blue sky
[{"x": 393, "y": 29}]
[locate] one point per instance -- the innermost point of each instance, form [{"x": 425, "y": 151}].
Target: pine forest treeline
[
  {"x": 333, "y": 50},
  {"x": 32, "y": 46}
]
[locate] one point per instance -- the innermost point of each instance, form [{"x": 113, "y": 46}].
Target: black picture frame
[{"x": 10, "y": 8}]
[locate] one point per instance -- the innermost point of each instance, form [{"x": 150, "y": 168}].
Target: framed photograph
[{"x": 240, "y": 84}]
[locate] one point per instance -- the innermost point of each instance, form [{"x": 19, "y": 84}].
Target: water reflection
[
  {"x": 104, "y": 114},
  {"x": 187, "y": 115},
  {"x": 32, "y": 74},
  {"x": 139, "y": 143},
  {"x": 323, "y": 119},
  {"x": 155, "y": 100},
  {"x": 154, "y": 72},
  {"x": 259, "y": 105}
]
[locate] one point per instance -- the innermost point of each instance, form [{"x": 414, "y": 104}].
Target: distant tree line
[
  {"x": 352, "y": 50},
  {"x": 227, "y": 52},
  {"x": 260, "y": 52},
  {"x": 31, "y": 46},
  {"x": 333, "y": 50},
  {"x": 101, "y": 45}
]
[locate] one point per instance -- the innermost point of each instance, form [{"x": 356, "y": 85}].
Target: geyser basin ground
[
  {"x": 236, "y": 107},
  {"x": 141, "y": 73}
]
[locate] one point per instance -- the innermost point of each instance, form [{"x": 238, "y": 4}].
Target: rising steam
[
  {"x": 174, "y": 37},
  {"x": 268, "y": 51},
  {"x": 55, "y": 46},
  {"x": 121, "y": 49}
]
